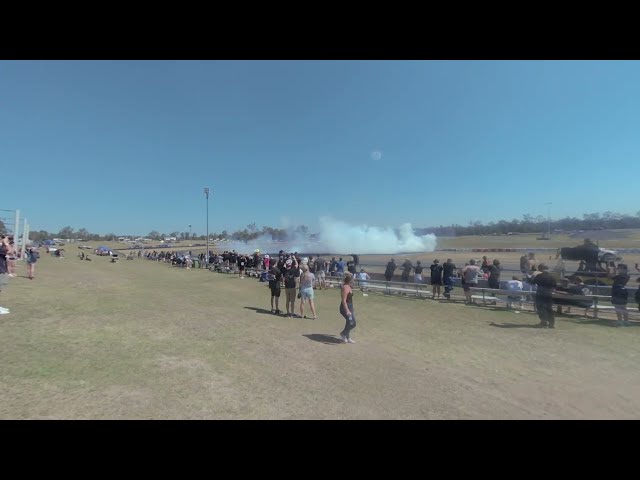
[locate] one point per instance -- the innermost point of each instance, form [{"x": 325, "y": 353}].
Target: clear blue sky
[{"x": 127, "y": 146}]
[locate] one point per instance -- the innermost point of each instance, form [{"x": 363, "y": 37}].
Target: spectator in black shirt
[
  {"x": 436, "y": 278},
  {"x": 351, "y": 268},
  {"x": 448, "y": 273},
  {"x": 333, "y": 265},
  {"x": 407, "y": 266},
  {"x": 523, "y": 264},
  {"x": 391, "y": 267},
  {"x": 485, "y": 264},
  {"x": 242, "y": 262},
  {"x": 494, "y": 274},
  {"x": 544, "y": 296}
]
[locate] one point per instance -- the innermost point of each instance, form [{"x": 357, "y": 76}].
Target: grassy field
[{"x": 141, "y": 340}]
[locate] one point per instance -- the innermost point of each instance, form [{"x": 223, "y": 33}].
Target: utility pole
[{"x": 206, "y": 194}]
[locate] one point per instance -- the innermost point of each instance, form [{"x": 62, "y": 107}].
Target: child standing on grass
[
  {"x": 275, "y": 278},
  {"x": 32, "y": 257},
  {"x": 620, "y": 297}
]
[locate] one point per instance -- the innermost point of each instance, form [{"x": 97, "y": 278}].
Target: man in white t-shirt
[
  {"x": 363, "y": 276},
  {"x": 514, "y": 285},
  {"x": 470, "y": 278}
]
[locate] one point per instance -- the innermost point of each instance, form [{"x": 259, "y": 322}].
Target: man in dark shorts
[
  {"x": 407, "y": 266},
  {"x": 275, "y": 278},
  {"x": 436, "y": 278},
  {"x": 544, "y": 297},
  {"x": 242, "y": 262}
]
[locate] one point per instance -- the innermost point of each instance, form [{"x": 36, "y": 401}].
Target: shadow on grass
[
  {"x": 324, "y": 338},
  {"x": 604, "y": 323},
  {"x": 514, "y": 325},
  {"x": 260, "y": 310}
]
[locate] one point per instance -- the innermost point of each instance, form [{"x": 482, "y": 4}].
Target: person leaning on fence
[
  {"x": 514, "y": 285},
  {"x": 418, "y": 272},
  {"x": 523, "y": 264},
  {"x": 406, "y": 270},
  {"x": 620, "y": 297},
  {"x": 544, "y": 297},
  {"x": 340, "y": 267},
  {"x": 494, "y": 274},
  {"x": 575, "y": 289},
  {"x": 333, "y": 265},
  {"x": 470, "y": 275},
  {"x": 363, "y": 276},
  {"x": 390, "y": 269},
  {"x": 448, "y": 272}
]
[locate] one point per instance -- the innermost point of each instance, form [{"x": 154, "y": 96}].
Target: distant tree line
[
  {"x": 251, "y": 232},
  {"x": 538, "y": 224}
]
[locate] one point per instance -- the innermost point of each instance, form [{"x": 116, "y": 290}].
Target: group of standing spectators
[{"x": 440, "y": 274}]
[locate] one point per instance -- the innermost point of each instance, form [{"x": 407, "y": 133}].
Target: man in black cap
[{"x": 436, "y": 278}]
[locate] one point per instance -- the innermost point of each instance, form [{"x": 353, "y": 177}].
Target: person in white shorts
[{"x": 306, "y": 291}]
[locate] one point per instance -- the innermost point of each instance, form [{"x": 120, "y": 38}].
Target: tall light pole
[
  {"x": 189, "y": 231},
  {"x": 206, "y": 194},
  {"x": 548, "y": 204}
]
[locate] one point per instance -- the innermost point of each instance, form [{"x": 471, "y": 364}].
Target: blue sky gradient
[{"x": 127, "y": 146}]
